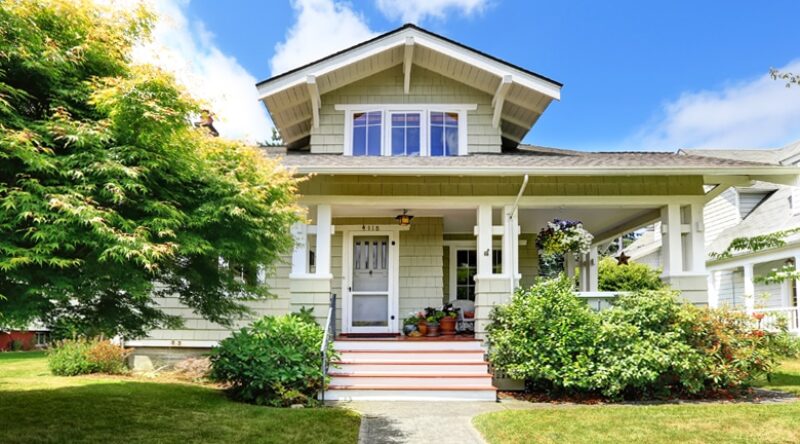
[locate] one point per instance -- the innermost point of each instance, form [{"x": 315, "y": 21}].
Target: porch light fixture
[{"x": 405, "y": 218}]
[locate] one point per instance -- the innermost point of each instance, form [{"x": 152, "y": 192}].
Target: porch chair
[{"x": 464, "y": 324}]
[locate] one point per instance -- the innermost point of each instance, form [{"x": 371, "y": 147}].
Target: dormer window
[
  {"x": 405, "y": 130},
  {"x": 367, "y": 133}
]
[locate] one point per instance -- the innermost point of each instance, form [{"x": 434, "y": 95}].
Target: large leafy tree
[{"x": 109, "y": 196}]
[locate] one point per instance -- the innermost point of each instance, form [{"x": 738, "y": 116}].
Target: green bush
[
  {"x": 545, "y": 336},
  {"x": 72, "y": 357},
  {"x": 648, "y": 345},
  {"x": 275, "y": 361},
  {"x": 630, "y": 277}
]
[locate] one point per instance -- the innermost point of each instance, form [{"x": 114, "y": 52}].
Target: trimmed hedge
[{"x": 631, "y": 277}]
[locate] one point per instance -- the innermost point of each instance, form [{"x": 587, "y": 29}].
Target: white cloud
[
  {"x": 187, "y": 50},
  {"x": 414, "y": 11},
  {"x": 760, "y": 112},
  {"x": 322, "y": 28}
]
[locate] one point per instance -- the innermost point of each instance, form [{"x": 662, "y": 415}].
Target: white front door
[{"x": 370, "y": 283}]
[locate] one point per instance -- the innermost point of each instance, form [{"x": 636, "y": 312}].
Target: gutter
[{"x": 455, "y": 170}]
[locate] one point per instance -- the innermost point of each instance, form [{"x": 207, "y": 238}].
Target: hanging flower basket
[{"x": 564, "y": 236}]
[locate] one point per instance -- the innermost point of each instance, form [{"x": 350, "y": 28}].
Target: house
[
  {"x": 412, "y": 124},
  {"x": 746, "y": 209}
]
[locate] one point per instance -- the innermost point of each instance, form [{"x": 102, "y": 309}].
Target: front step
[
  {"x": 427, "y": 394},
  {"x": 445, "y": 370}
]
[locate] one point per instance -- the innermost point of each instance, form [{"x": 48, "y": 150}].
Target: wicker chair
[{"x": 464, "y": 324}]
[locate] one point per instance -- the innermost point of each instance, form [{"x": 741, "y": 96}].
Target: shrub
[
  {"x": 545, "y": 336},
  {"x": 276, "y": 361},
  {"x": 72, "y": 357},
  {"x": 630, "y": 277},
  {"x": 648, "y": 345},
  {"x": 16, "y": 345}
]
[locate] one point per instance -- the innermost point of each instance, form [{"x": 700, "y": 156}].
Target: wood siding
[{"x": 386, "y": 87}]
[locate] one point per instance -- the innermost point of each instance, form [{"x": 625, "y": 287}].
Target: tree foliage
[
  {"x": 627, "y": 277},
  {"x": 109, "y": 196},
  {"x": 755, "y": 243}
]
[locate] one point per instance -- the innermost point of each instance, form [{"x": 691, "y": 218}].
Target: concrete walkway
[{"x": 422, "y": 422}]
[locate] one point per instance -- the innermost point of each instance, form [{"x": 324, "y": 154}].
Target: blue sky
[{"x": 637, "y": 74}]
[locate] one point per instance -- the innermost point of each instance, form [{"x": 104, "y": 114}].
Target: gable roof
[{"x": 293, "y": 98}]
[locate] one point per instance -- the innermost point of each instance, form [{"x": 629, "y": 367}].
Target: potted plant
[
  {"x": 447, "y": 325},
  {"x": 432, "y": 318},
  {"x": 410, "y": 323},
  {"x": 564, "y": 236},
  {"x": 422, "y": 324}
]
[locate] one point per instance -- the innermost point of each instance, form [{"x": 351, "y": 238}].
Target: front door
[{"x": 370, "y": 300}]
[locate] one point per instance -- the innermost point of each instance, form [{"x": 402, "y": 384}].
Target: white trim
[
  {"x": 463, "y": 245},
  {"x": 499, "y": 99},
  {"x": 393, "y": 325},
  {"x": 378, "y": 46},
  {"x": 324, "y": 232},
  {"x": 313, "y": 92},
  {"x": 424, "y": 109},
  {"x": 525, "y": 202},
  {"x": 408, "y": 58}
]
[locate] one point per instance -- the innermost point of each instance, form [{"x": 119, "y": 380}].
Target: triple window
[{"x": 405, "y": 132}]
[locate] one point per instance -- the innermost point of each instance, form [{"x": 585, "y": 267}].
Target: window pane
[
  {"x": 374, "y": 118},
  {"x": 398, "y": 141},
  {"x": 451, "y": 139},
  {"x": 437, "y": 141},
  {"x": 473, "y": 258},
  {"x": 451, "y": 119},
  {"x": 412, "y": 141},
  {"x": 360, "y": 141},
  {"x": 374, "y": 141},
  {"x": 359, "y": 119}
]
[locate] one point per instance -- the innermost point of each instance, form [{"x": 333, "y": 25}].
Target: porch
[
  {"x": 477, "y": 249},
  {"x": 742, "y": 280}
]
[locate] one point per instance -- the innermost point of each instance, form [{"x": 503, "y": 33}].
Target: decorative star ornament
[{"x": 622, "y": 259}]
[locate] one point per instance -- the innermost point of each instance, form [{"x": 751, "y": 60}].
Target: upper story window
[
  {"x": 367, "y": 133},
  {"x": 405, "y": 130},
  {"x": 444, "y": 134}
]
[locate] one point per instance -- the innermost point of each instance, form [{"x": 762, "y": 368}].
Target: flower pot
[
  {"x": 422, "y": 327},
  {"x": 447, "y": 326},
  {"x": 433, "y": 329},
  {"x": 407, "y": 329}
]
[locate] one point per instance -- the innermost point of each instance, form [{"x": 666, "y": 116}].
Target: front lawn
[
  {"x": 38, "y": 407},
  {"x": 689, "y": 423}
]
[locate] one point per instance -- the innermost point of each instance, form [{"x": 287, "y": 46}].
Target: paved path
[{"x": 422, "y": 422}]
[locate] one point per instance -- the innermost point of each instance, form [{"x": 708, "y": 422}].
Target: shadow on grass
[{"x": 142, "y": 412}]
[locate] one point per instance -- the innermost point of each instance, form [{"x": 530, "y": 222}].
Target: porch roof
[{"x": 528, "y": 159}]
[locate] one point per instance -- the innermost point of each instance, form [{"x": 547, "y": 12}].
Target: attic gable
[{"x": 519, "y": 96}]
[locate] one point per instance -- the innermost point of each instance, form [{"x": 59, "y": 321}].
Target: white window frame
[{"x": 386, "y": 111}]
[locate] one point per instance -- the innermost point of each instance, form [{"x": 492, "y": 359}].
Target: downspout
[{"x": 512, "y": 274}]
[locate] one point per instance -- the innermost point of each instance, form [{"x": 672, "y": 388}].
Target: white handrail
[{"x": 330, "y": 331}]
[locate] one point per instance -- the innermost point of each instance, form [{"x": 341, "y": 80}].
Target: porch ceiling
[{"x": 598, "y": 221}]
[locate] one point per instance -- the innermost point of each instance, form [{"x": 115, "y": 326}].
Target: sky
[{"x": 637, "y": 75}]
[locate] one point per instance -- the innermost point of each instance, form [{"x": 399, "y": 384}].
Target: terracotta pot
[
  {"x": 422, "y": 327},
  {"x": 433, "y": 330},
  {"x": 447, "y": 326},
  {"x": 469, "y": 314}
]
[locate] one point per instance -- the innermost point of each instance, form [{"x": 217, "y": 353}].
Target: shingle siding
[{"x": 386, "y": 87}]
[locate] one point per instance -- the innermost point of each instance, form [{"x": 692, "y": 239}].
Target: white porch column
[
  {"x": 591, "y": 269},
  {"x": 300, "y": 251},
  {"x": 713, "y": 289},
  {"x": 511, "y": 245},
  {"x": 324, "y": 231},
  {"x": 484, "y": 233},
  {"x": 571, "y": 264},
  {"x": 697, "y": 253},
  {"x": 671, "y": 239},
  {"x": 797, "y": 282},
  {"x": 749, "y": 288}
]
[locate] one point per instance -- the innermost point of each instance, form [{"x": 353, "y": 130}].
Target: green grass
[
  {"x": 36, "y": 407},
  {"x": 686, "y": 423}
]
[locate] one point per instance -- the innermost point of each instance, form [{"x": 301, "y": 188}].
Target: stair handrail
[{"x": 328, "y": 335}]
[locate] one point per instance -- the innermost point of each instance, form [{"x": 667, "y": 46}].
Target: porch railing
[
  {"x": 773, "y": 317},
  {"x": 328, "y": 336},
  {"x": 599, "y": 300}
]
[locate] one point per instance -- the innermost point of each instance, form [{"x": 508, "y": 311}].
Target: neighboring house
[
  {"x": 411, "y": 123},
  {"x": 35, "y": 335},
  {"x": 746, "y": 209}
]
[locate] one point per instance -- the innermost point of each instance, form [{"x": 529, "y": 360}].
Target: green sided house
[{"x": 419, "y": 192}]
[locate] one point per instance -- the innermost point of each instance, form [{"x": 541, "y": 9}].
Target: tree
[
  {"x": 109, "y": 196},
  {"x": 788, "y": 77}
]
